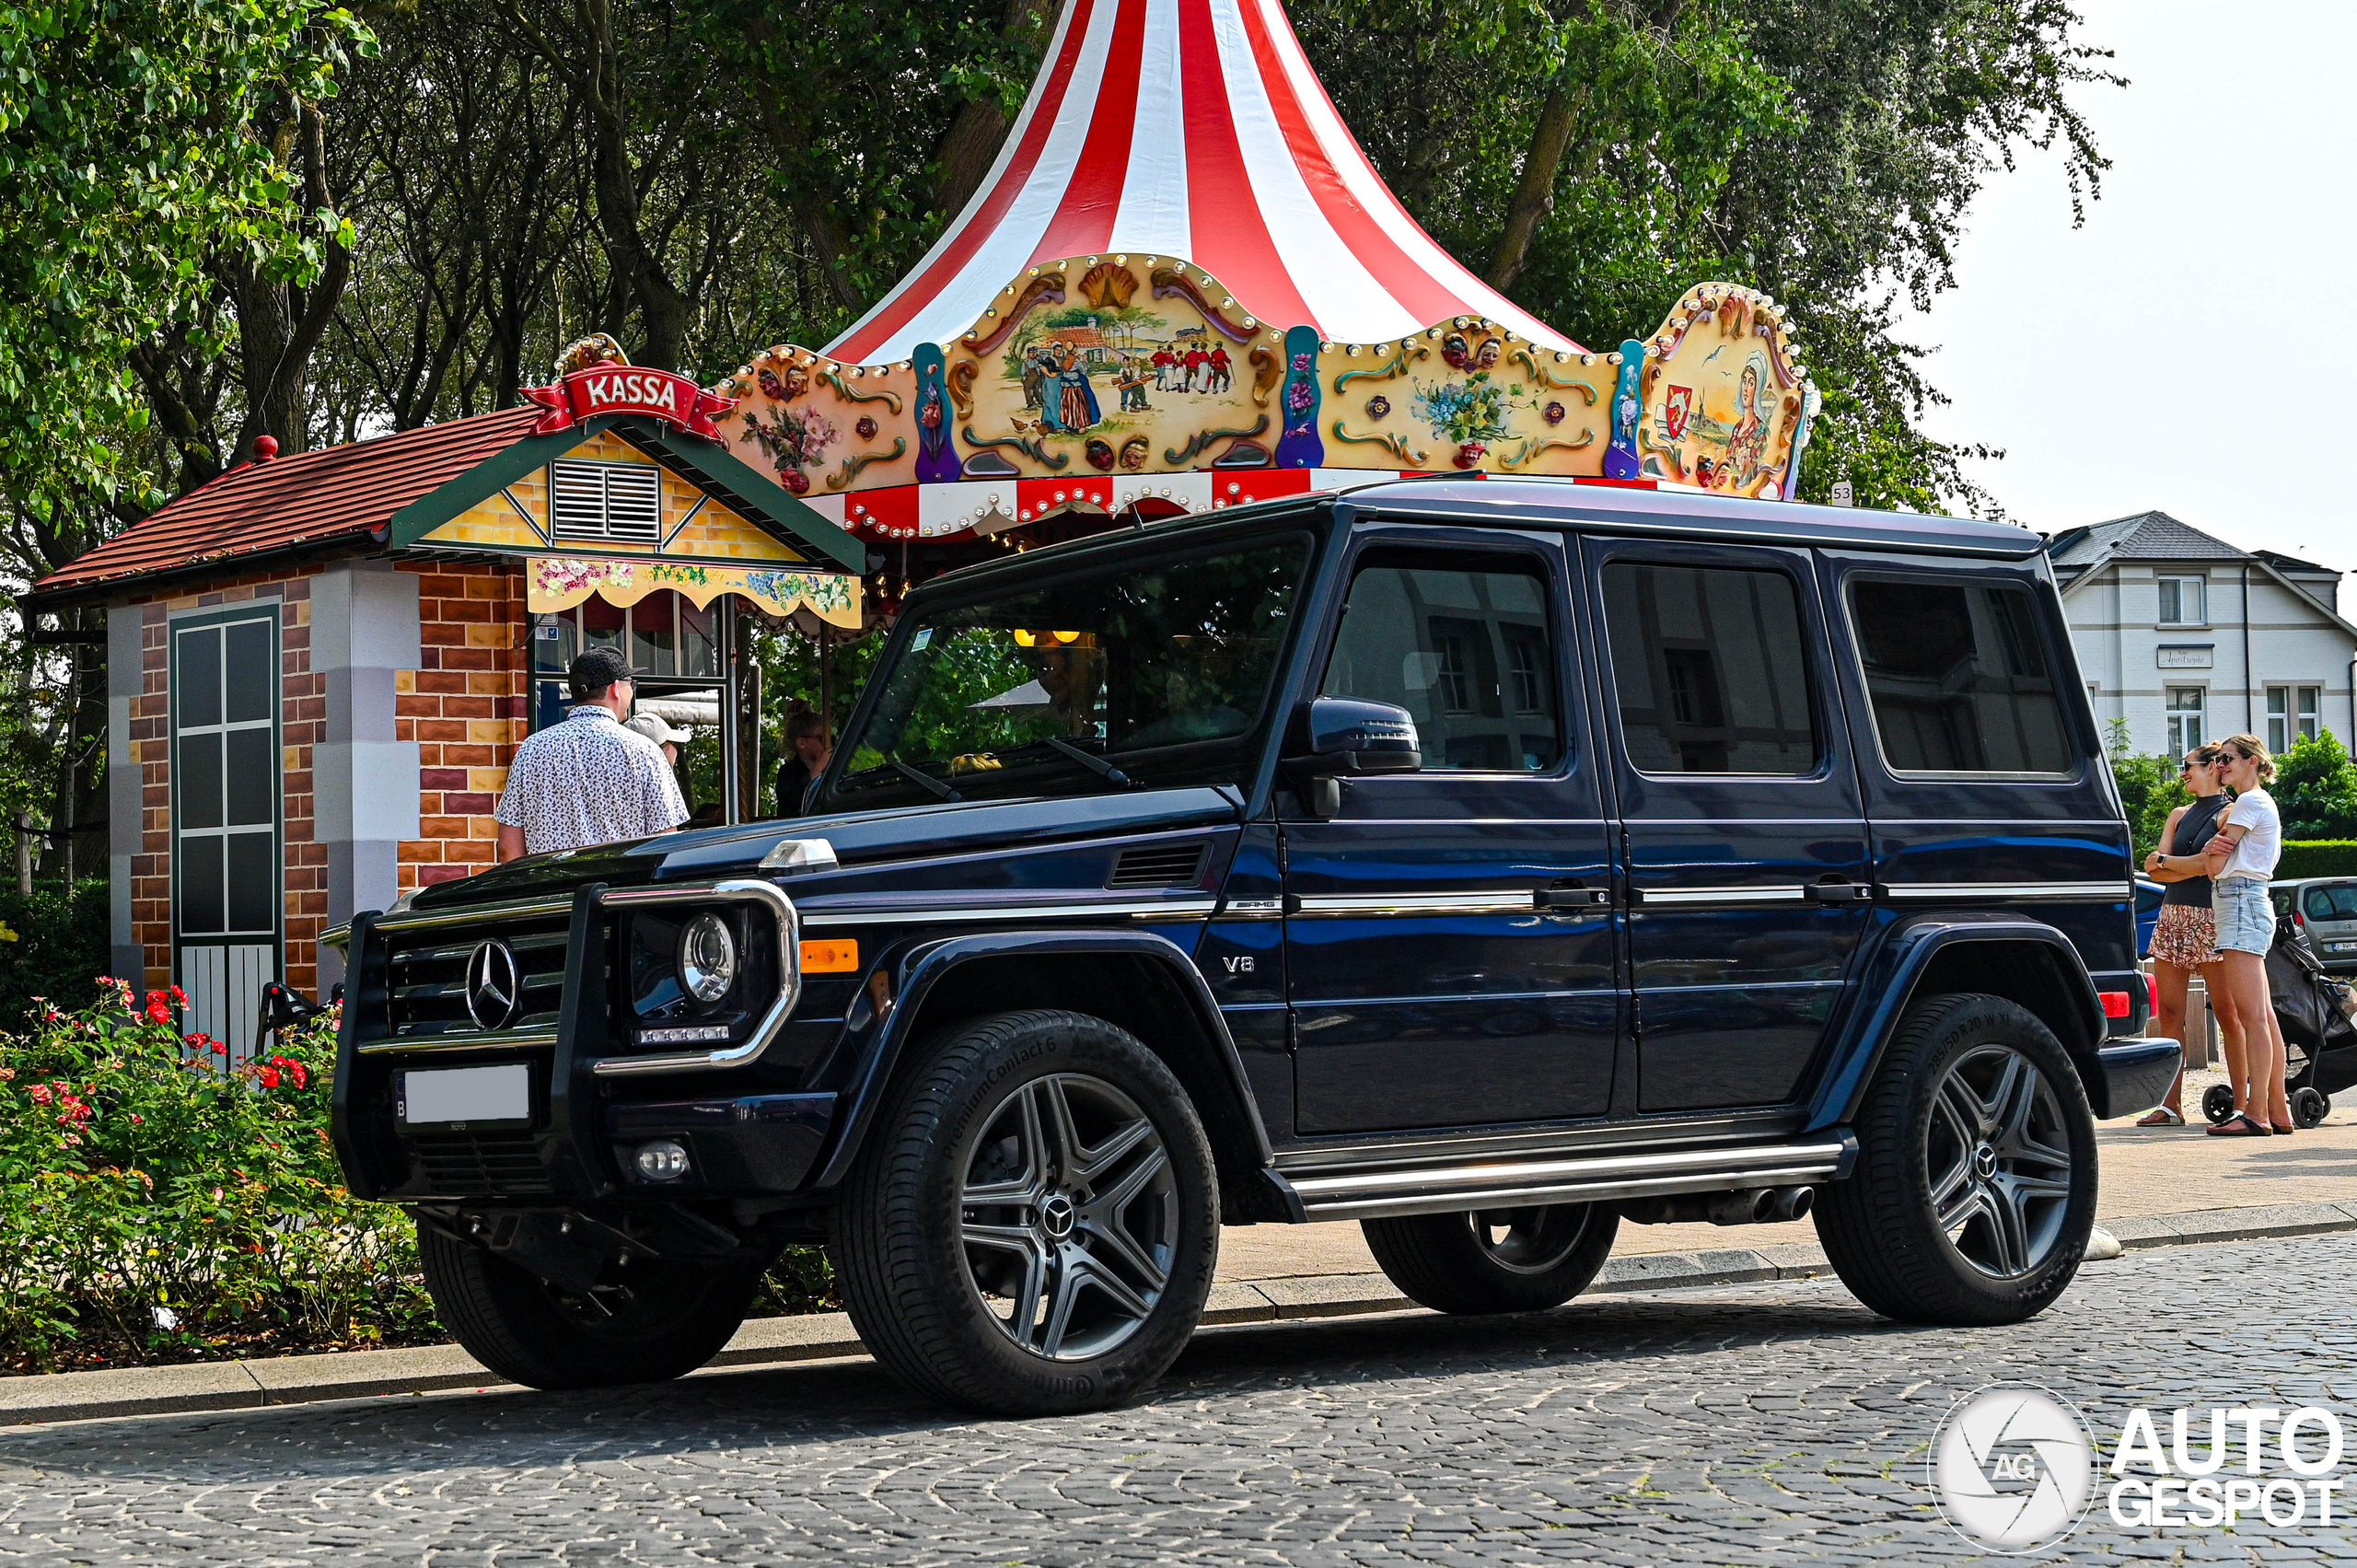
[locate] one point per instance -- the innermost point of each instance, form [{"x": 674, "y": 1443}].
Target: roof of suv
[{"x": 1511, "y": 503}]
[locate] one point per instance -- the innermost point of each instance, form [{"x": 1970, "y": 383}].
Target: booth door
[{"x": 226, "y": 819}]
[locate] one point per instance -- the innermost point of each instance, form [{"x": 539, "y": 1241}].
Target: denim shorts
[{"x": 2245, "y": 915}]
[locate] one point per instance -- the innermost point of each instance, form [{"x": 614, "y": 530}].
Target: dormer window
[{"x": 2183, "y": 601}]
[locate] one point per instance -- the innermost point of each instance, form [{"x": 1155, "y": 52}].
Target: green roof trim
[{"x": 720, "y": 473}]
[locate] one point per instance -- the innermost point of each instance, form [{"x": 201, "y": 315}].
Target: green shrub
[
  {"x": 2150, "y": 788},
  {"x": 2316, "y": 857},
  {"x": 52, "y": 942},
  {"x": 2315, "y": 788}
]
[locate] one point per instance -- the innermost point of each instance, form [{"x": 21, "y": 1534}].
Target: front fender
[
  {"x": 1887, "y": 985},
  {"x": 879, "y": 1024}
]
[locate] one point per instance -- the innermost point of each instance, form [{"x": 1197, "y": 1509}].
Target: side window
[
  {"x": 1712, "y": 669},
  {"x": 1958, "y": 677},
  {"x": 1467, "y": 651}
]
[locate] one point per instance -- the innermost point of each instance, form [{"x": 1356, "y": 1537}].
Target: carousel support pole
[
  {"x": 826, "y": 680},
  {"x": 731, "y": 784},
  {"x": 753, "y": 749}
]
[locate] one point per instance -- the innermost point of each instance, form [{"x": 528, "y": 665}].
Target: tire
[
  {"x": 2308, "y": 1108},
  {"x": 661, "y": 1322},
  {"x": 1032, "y": 1225},
  {"x": 1498, "y": 1260},
  {"x": 1975, "y": 1185},
  {"x": 2217, "y": 1104}
]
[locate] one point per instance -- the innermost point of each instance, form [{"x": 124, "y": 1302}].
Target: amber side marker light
[{"x": 838, "y": 957}]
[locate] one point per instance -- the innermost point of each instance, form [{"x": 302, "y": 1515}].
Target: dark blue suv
[{"x": 1488, "y": 863}]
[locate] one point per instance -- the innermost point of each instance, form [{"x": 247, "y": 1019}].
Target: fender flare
[
  {"x": 1886, "y": 988},
  {"x": 879, "y": 1035}
]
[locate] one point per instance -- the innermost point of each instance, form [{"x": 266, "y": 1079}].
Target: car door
[
  {"x": 1743, "y": 846},
  {"x": 1429, "y": 986}
]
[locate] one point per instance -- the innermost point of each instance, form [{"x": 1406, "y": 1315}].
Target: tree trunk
[
  {"x": 971, "y": 144},
  {"x": 1534, "y": 193}
]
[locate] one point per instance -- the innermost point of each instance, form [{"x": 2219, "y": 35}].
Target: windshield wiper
[
  {"x": 941, "y": 790},
  {"x": 1090, "y": 760}
]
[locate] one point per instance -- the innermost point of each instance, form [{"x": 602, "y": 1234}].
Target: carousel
[{"x": 1183, "y": 286}]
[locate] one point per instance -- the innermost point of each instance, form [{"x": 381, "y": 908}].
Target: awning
[{"x": 560, "y": 582}]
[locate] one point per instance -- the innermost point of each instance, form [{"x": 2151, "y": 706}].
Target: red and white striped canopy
[{"x": 1190, "y": 129}]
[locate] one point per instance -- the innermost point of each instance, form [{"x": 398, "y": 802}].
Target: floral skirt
[{"x": 2185, "y": 936}]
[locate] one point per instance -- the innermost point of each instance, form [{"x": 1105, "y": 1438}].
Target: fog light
[{"x": 662, "y": 1160}]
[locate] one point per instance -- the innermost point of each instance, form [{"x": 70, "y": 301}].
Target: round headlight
[{"x": 707, "y": 957}]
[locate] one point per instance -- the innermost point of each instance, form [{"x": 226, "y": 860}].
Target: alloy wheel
[
  {"x": 1529, "y": 1241},
  {"x": 2000, "y": 1162},
  {"x": 1068, "y": 1216}
]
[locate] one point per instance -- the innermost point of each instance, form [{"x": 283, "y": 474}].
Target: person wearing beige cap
[{"x": 658, "y": 729}]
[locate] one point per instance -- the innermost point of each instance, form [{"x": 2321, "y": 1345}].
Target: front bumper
[
  {"x": 754, "y": 1144},
  {"x": 2132, "y": 1076}
]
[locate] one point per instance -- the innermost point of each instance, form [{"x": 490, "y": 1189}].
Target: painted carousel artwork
[{"x": 1106, "y": 329}]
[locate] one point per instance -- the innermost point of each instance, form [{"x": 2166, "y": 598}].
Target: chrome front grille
[{"x": 427, "y": 975}]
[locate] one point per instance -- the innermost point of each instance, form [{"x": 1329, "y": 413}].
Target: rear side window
[
  {"x": 1959, "y": 678},
  {"x": 1712, "y": 669},
  {"x": 2333, "y": 901},
  {"x": 1466, "y": 652}
]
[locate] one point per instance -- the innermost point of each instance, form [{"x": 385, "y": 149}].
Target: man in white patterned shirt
[{"x": 588, "y": 781}]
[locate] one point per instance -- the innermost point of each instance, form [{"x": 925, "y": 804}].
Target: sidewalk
[{"x": 2161, "y": 1187}]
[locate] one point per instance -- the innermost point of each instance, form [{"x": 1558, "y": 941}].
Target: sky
[{"x": 2175, "y": 354}]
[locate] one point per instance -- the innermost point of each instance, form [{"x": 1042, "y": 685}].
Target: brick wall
[
  {"x": 464, "y": 707},
  {"x": 302, "y": 723}
]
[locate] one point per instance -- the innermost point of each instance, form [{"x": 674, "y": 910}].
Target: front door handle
[
  {"x": 1836, "y": 893},
  {"x": 1570, "y": 898}
]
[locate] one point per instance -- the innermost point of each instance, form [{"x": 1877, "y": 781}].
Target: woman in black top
[{"x": 2185, "y": 939}]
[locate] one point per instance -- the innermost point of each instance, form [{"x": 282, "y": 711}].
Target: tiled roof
[
  {"x": 306, "y": 498},
  {"x": 2147, "y": 536}
]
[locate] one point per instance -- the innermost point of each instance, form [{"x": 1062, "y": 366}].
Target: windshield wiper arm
[
  {"x": 941, "y": 790},
  {"x": 1090, "y": 760}
]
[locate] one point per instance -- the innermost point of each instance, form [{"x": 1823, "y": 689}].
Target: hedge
[
  {"x": 52, "y": 941},
  {"x": 2316, "y": 857}
]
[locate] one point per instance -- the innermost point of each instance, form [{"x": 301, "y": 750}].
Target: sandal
[
  {"x": 2160, "y": 1115},
  {"x": 2279, "y": 1130},
  {"x": 2249, "y": 1127}
]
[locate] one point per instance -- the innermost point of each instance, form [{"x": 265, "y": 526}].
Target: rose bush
[{"x": 158, "y": 1204}]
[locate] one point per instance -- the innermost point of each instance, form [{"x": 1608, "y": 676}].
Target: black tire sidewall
[
  {"x": 1438, "y": 1262},
  {"x": 963, "y": 1081}
]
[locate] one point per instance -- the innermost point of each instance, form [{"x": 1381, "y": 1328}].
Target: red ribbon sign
[{"x": 629, "y": 388}]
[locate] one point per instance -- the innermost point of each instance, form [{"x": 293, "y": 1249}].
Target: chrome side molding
[{"x": 1439, "y": 1190}]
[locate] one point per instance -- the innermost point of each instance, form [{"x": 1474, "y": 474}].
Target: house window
[
  {"x": 2292, "y": 715},
  {"x": 2183, "y": 601},
  {"x": 2187, "y": 728},
  {"x": 598, "y": 500}
]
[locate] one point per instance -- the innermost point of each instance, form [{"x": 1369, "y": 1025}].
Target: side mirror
[{"x": 1333, "y": 736}]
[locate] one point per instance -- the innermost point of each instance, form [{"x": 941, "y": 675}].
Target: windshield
[{"x": 1140, "y": 676}]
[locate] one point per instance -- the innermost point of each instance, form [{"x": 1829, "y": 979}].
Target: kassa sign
[{"x": 629, "y": 388}]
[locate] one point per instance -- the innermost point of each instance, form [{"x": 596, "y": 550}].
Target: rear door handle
[
  {"x": 1570, "y": 898},
  {"x": 1836, "y": 893}
]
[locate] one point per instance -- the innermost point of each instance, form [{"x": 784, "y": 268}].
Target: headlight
[{"x": 707, "y": 957}]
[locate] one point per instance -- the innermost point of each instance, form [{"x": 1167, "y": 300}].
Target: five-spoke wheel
[{"x": 1999, "y": 1153}]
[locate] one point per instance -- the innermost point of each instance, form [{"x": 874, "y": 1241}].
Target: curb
[{"x": 827, "y": 1336}]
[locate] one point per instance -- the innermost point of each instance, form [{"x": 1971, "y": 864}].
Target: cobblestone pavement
[{"x": 1769, "y": 1423}]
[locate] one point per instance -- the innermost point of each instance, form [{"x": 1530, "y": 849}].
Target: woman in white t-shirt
[{"x": 2239, "y": 861}]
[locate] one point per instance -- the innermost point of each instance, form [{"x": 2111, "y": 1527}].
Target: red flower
[
  {"x": 160, "y": 1009},
  {"x": 270, "y": 1077},
  {"x": 40, "y": 1094},
  {"x": 179, "y": 998}
]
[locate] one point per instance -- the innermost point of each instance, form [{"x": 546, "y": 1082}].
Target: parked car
[
  {"x": 2323, "y": 910},
  {"x": 2149, "y": 894},
  {"x": 1485, "y": 862}
]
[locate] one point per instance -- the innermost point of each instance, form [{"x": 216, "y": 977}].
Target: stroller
[{"x": 2313, "y": 1009}]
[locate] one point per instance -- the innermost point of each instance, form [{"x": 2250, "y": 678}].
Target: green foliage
[
  {"x": 129, "y": 160},
  {"x": 2150, "y": 788},
  {"x": 50, "y": 944},
  {"x": 2316, "y": 857},
  {"x": 2315, "y": 788}
]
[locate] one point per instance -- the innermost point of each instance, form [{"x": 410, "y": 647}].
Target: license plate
[
  {"x": 2340, "y": 947},
  {"x": 467, "y": 1096}
]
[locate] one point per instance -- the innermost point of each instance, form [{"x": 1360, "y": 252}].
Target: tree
[
  {"x": 2150, "y": 788},
  {"x": 2315, "y": 788}
]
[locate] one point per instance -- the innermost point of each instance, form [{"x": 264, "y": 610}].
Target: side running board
[{"x": 1439, "y": 1190}]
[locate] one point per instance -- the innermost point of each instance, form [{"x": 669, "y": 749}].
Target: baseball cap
[
  {"x": 656, "y": 727},
  {"x": 599, "y": 668}
]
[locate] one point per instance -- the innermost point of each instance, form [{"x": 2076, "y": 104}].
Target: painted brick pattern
[
  {"x": 303, "y": 725},
  {"x": 465, "y": 707}
]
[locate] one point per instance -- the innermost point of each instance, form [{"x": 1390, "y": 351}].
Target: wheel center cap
[
  {"x": 1984, "y": 1162},
  {"x": 1057, "y": 1216}
]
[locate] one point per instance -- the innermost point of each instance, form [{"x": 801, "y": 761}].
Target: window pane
[
  {"x": 603, "y": 624},
  {"x": 197, "y": 673},
  {"x": 252, "y": 670},
  {"x": 200, "y": 781},
  {"x": 251, "y": 781},
  {"x": 252, "y": 878},
  {"x": 652, "y": 643},
  {"x": 2196, "y": 612},
  {"x": 696, "y": 654},
  {"x": 1958, "y": 679},
  {"x": 555, "y": 640},
  {"x": 1711, "y": 670},
  {"x": 202, "y": 909},
  {"x": 1444, "y": 644}
]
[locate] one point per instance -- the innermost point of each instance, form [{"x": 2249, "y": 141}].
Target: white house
[{"x": 2190, "y": 639}]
